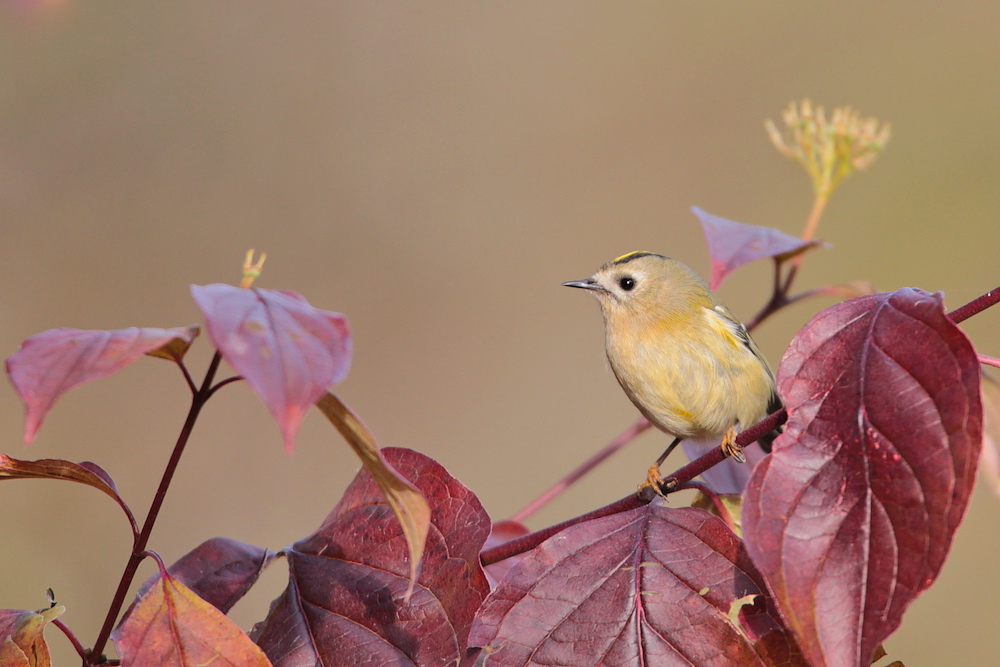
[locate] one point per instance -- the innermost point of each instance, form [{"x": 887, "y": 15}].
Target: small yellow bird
[{"x": 685, "y": 361}]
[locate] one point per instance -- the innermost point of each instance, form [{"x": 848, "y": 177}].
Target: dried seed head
[{"x": 828, "y": 149}]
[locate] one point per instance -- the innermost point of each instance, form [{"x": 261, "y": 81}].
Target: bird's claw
[
  {"x": 653, "y": 479},
  {"x": 729, "y": 446}
]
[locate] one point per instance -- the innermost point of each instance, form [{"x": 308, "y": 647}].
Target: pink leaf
[
  {"x": 852, "y": 515},
  {"x": 651, "y": 586},
  {"x": 346, "y": 601},
  {"x": 732, "y": 244},
  {"x": 51, "y": 363},
  {"x": 288, "y": 351}
]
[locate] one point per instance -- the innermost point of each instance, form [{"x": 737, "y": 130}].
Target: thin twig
[
  {"x": 716, "y": 456},
  {"x": 975, "y": 306},
  {"x": 632, "y": 501},
  {"x": 629, "y": 434},
  {"x": 77, "y": 646},
  {"x": 532, "y": 540},
  {"x": 988, "y": 360},
  {"x": 812, "y": 223},
  {"x": 138, "y": 549},
  {"x": 187, "y": 377},
  {"x": 222, "y": 383}
]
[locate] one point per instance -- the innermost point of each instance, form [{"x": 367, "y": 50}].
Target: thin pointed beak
[{"x": 589, "y": 283}]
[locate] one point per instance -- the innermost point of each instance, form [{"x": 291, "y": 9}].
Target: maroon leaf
[
  {"x": 852, "y": 515},
  {"x": 346, "y": 599},
  {"x": 171, "y": 626},
  {"x": 732, "y": 244},
  {"x": 651, "y": 586},
  {"x": 409, "y": 506},
  {"x": 220, "y": 571},
  {"x": 51, "y": 363},
  {"x": 288, "y": 351}
]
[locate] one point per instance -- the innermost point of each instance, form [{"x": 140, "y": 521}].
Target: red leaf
[
  {"x": 732, "y": 244},
  {"x": 346, "y": 599},
  {"x": 288, "y": 351},
  {"x": 171, "y": 626},
  {"x": 852, "y": 515},
  {"x": 51, "y": 363},
  {"x": 21, "y": 640},
  {"x": 220, "y": 571},
  {"x": 409, "y": 506},
  {"x": 651, "y": 586}
]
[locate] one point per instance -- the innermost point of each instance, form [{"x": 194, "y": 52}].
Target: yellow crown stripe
[{"x": 629, "y": 256}]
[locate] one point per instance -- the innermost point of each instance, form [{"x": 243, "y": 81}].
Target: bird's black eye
[{"x": 626, "y": 283}]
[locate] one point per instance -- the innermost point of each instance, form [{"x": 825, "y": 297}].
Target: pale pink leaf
[
  {"x": 49, "y": 364},
  {"x": 732, "y": 244},
  {"x": 288, "y": 351}
]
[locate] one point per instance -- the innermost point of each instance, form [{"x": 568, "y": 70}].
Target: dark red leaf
[
  {"x": 407, "y": 503},
  {"x": 220, "y": 571},
  {"x": 346, "y": 599},
  {"x": 51, "y": 363},
  {"x": 171, "y": 626},
  {"x": 288, "y": 351},
  {"x": 651, "y": 586},
  {"x": 732, "y": 244},
  {"x": 852, "y": 515}
]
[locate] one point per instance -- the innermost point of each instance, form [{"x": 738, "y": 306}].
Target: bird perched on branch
[{"x": 682, "y": 357}]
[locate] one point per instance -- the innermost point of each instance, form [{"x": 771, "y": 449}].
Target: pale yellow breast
[{"x": 694, "y": 381}]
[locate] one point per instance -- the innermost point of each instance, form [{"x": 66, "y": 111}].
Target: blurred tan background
[{"x": 435, "y": 171}]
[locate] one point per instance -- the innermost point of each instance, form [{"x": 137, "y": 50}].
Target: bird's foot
[
  {"x": 729, "y": 446},
  {"x": 653, "y": 479}
]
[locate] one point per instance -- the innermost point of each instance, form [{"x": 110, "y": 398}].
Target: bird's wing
[
  {"x": 740, "y": 332},
  {"x": 736, "y": 328}
]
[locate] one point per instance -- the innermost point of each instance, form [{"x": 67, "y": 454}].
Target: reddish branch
[
  {"x": 716, "y": 456},
  {"x": 975, "y": 306},
  {"x": 139, "y": 552},
  {"x": 633, "y": 501},
  {"x": 77, "y": 646},
  {"x": 532, "y": 540},
  {"x": 642, "y": 424}
]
